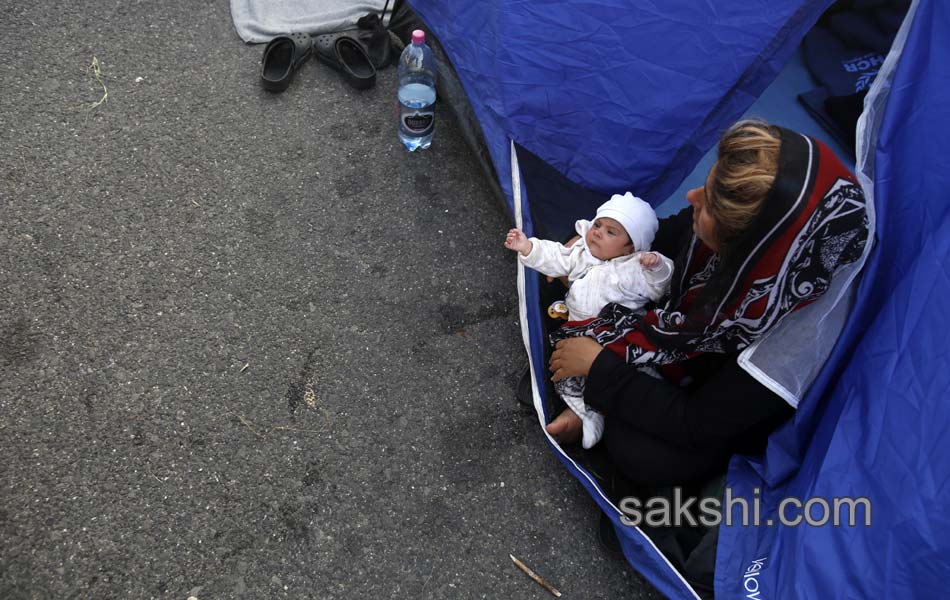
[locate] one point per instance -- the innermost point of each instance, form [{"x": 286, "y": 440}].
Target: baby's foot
[{"x": 566, "y": 428}]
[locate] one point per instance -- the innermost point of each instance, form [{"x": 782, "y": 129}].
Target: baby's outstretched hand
[
  {"x": 649, "y": 260},
  {"x": 516, "y": 240}
]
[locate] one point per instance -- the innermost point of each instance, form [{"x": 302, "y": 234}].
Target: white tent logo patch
[{"x": 750, "y": 579}]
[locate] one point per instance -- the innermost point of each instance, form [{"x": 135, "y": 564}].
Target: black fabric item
[
  {"x": 843, "y": 127},
  {"x": 700, "y": 568},
  {"x": 689, "y": 547},
  {"x": 846, "y": 109},
  {"x": 374, "y": 36},
  {"x": 839, "y": 68},
  {"x": 844, "y": 54},
  {"x": 724, "y": 411},
  {"x": 674, "y": 233},
  {"x": 890, "y": 17},
  {"x": 647, "y": 460},
  {"x": 861, "y": 30}
]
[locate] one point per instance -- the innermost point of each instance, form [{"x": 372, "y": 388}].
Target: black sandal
[
  {"x": 283, "y": 55},
  {"x": 348, "y": 56},
  {"x": 371, "y": 35}
]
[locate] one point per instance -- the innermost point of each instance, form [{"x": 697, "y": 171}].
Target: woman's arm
[{"x": 730, "y": 409}]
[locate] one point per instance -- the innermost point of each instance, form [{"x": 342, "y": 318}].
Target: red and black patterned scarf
[{"x": 812, "y": 223}]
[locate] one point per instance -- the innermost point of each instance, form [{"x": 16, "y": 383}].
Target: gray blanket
[{"x": 257, "y": 21}]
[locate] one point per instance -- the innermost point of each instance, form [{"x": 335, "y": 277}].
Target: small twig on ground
[
  {"x": 535, "y": 576},
  {"x": 284, "y": 428},
  {"x": 431, "y": 571},
  {"x": 97, "y": 73},
  {"x": 248, "y": 424},
  {"x": 149, "y": 469}
]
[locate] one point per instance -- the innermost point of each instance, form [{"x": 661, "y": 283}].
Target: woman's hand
[{"x": 573, "y": 357}]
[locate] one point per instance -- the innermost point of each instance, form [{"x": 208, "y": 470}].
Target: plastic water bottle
[{"x": 417, "y": 75}]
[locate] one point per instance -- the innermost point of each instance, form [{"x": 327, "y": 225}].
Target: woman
[{"x": 777, "y": 217}]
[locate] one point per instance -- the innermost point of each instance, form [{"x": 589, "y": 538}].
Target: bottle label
[{"x": 419, "y": 123}]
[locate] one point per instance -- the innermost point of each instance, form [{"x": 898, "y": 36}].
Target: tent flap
[{"x": 617, "y": 96}]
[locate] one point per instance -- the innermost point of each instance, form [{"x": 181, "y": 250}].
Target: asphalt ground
[{"x": 250, "y": 346}]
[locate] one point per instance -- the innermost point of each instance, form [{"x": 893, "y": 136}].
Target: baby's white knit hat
[{"x": 636, "y": 216}]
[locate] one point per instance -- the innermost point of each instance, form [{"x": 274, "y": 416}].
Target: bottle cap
[{"x": 418, "y": 37}]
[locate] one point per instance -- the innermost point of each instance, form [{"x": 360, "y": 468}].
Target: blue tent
[{"x": 613, "y": 96}]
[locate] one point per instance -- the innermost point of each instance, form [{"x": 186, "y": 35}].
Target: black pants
[
  {"x": 646, "y": 460},
  {"x": 645, "y": 467}
]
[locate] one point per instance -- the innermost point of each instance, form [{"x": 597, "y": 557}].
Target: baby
[{"x": 610, "y": 262}]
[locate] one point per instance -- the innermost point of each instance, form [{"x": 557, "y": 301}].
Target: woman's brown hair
[{"x": 743, "y": 175}]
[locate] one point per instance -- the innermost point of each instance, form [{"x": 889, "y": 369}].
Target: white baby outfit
[{"x": 595, "y": 283}]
